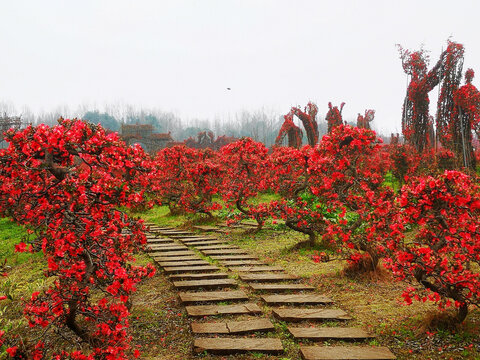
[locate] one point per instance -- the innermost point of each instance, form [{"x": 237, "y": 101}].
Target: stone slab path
[
  {"x": 346, "y": 353},
  {"x": 209, "y": 296},
  {"x": 229, "y": 345},
  {"x": 188, "y": 269},
  {"x": 233, "y": 327}
]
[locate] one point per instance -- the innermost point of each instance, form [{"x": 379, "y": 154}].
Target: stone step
[
  {"x": 241, "y": 262},
  {"x": 210, "y": 310},
  {"x": 346, "y": 353},
  {"x": 268, "y": 277},
  {"x": 255, "y": 268},
  {"x": 215, "y": 247},
  {"x": 224, "y": 252},
  {"x": 206, "y": 228},
  {"x": 234, "y": 257},
  {"x": 327, "y": 333},
  {"x": 195, "y": 239},
  {"x": 301, "y": 314},
  {"x": 201, "y": 284},
  {"x": 175, "y": 232},
  {"x": 200, "y": 276},
  {"x": 204, "y": 243},
  {"x": 192, "y": 297},
  {"x": 161, "y": 241},
  {"x": 281, "y": 287},
  {"x": 172, "y": 253},
  {"x": 232, "y": 346},
  {"x": 186, "y": 269},
  {"x": 160, "y": 258},
  {"x": 233, "y": 327},
  {"x": 156, "y": 248},
  {"x": 192, "y": 236},
  {"x": 183, "y": 263},
  {"x": 296, "y": 299}
]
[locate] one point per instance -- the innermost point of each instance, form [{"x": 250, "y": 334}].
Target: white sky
[{"x": 181, "y": 56}]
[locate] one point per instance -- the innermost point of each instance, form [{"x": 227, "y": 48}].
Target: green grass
[{"x": 10, "y": 235}]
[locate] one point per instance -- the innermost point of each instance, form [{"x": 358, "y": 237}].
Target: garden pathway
[{"x": 227, "y": 321}]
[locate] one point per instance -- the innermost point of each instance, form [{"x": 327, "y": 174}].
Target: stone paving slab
[
  {"x": 178, "y": 258},
  {"x": 192, "y": 297},
  {"x": 231, "y": 346},
  {"x": 299, "y": 314},
  {"x": 210, "y": 310},
  {"x": 200, "y": 284},
  {"x": 206, "y": 228},
  {"x": 241, "y": 262},
  {"x": 327, "y": 333},
  {"x": 183, "y": 263},
  {"x": 198, "y": 276},
  {"x": 215, "y": 247},
  {"x": 281, "y": 287},
  {"x": 198, "y": 268},
  {"x": 346, "y": 353},
  {"x": 234, "y": 257},
  {"x": 161, "y": 241},
  {"x": 204, "y": 243},
  {"x": 196, "y": 238},
  {"x": 225, "y": 251},
  {"x": 297, "y": 299},
  {"x": 255, "y": 268},
  {"x": 233, "y": 327},
  {"x": 268, "y": 277},
  {"x": 172, "y": 253},
  {"x": 166, "y": 248}
]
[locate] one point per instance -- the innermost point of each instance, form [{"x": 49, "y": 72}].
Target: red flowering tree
[
  {"x": 363, "y": 121},
  {"x": 334, "y": 116},
  {"x": 308, "y": 117},
  {"x": 346, "y": 171},
  {"x": 416, "y": 122},
  {"x": 186, "y": 179},
  {"x": 245, "y": 168},
  {"x": 443, "y": 252},
  {"x": 298, "y": 207},
  {"x": 66, "y": 184},
  {"x": 292, "y": 131},
  {"x": 466, "y": 117}
]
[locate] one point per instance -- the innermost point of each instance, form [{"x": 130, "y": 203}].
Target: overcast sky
[{"x": 181, "y": 56}]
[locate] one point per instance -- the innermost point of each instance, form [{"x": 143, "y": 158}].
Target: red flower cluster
[{"x": 66, "y": 184}]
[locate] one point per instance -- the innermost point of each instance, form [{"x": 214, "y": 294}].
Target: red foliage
[
  {"x": 334, "y": 116},
  {"x": 65, "y": 184},
  {"x": 308, "y": 117},
  {"x": 291, "y": 130},
  {"x": 363, "y": 121},
  {"x": 245, "y": 166},
  {"x": 186, "y": 179},
  {"x": 442, "y": 253}
]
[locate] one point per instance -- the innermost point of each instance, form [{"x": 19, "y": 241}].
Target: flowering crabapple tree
[
  {"x": 334, "y": 116},
  {"x": 244, "y": 176},
  {"x": 466, "y": 118},
  {"x": 363, "y": 121},
  {"x": 186, "y": 179},
  {"x": 308, "y": 117},
  {"x": 297, "y": 207},
  {"x": 442, "y": 253},
  {"x": 292, "y": 131},
  {"x": 66, "y": 184},
  {"x": 416, "y": 122},
  {"x": 346, "y": 171}
]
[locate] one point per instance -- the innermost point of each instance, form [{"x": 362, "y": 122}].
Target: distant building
[{"x": 143, "y": 135}]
